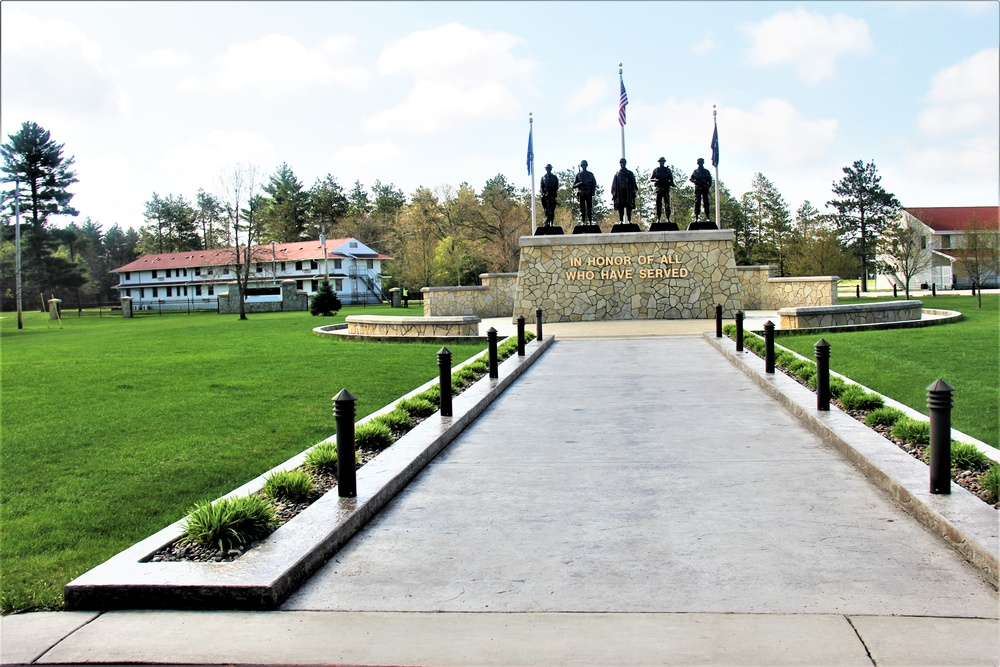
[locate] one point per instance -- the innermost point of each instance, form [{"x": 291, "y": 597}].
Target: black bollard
[
  {"x": 857, "y": 291},
  {"x": 822, "y": 375},
  {"x": 769, "y": 346},
  {"x": 933, "y": 289},
  {"x": 973, "y": 289},
  {"x": 739, "y": 330},
  {"x": 520, "y": 335},
  {"x": 343, "y": 412},
  {"x": 894, "y": 290},
  {"x": 444, "y": 380},
  {"x": 939, "y": 404},
  {"x": 718, "y": 321},
  {"x": 538, "y": 324},
  {"x": 491, "y": 336}
]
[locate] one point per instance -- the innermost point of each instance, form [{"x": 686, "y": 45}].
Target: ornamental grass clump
[
  {"x": 373, "y": 436},
  {"x": 783, "y": 358},
  {"x": 991, "y": 482},
  {"x": 322, "y": 458},
  {"x": 854, "y": 397},
  {"x": 229, "y": 522},
  {"x": 397, "y": 421},
  {"x": 911, "y": 430},
  {"x": 480, "y": 365},
  {"x": 292, "y": 485},
  {"x": 432, "y": 395},
  {"x": 884, "y": 416},
  {"x": 417, "y": 407},
  {"x": 966, "y": 456}
]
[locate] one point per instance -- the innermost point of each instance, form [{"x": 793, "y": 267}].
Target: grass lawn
[
  {"x": 112, "y": 428},
  {"x": 902, "y": 363}
]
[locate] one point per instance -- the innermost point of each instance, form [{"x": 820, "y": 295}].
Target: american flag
[{"x": 622, "y": 101}]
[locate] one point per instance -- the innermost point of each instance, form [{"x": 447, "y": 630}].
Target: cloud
[
  {"x": 199, "y": 162},
  {"x": 704, "y": 46},
  {"x": 593, "y": 91},
  {"x": 276, "y": 64},
  {"x": 460, "y": 76},
  {"x": 374, "y": 154},
  {"x": 811, "y": 42},
  {"x": 960, "y": 174},
  {"x": 963, "y": 97},
  {"x": 46, "y": 63},
  {"x": 163, "y": 59}
]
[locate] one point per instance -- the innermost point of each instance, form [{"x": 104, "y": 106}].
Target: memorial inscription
[{"x": 626, "y": 267}]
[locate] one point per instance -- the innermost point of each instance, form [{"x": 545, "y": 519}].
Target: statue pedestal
[
  {"x": 664, "y": 227},
  {"x": 550, "y": 230},
  {"x": 625, "y": 228},
  {"x": 587, "y": 229},
  {"x": 701, "y": 224},
  {"x": 628, "y": 276}
]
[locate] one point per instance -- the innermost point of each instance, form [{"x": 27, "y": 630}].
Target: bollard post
[
  {"x": 520, "y": 335},
  {"x": 933, "y": 289},
  {"x": 822, "y": 375},
  {"x": 343, "y": 412},
  {"x": 939, "y": 404},
  {"x": 718, "y": 321},
  {"x": 491, "y": 336},
  {"x": 769, "y": 346},
  {"x": 444, "y": 380},
  {"x": 973, "y": 289},
  {"x": 538, "y": 324},
  {"x": 857, "y": 291},
  {"x": 894, "y": 290},
  {"x": 739, "y": 330}
]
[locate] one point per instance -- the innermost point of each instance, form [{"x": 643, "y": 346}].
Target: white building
[
  {"x": 944, "y": 237},
  {"x": 193, "y": 279}
]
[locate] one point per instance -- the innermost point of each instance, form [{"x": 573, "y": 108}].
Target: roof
[
  {"x": 283, "y": 252},
  {"x": 954, "y": 218}
]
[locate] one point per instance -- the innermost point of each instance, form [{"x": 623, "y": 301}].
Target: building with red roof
[
  {"x": 194, "y": 278},
  {"x": 944, "y": 239}
]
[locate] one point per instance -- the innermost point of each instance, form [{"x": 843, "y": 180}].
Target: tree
[
  {"x": 285, "y": 213},
  {"x": 768, "y": 224},
  {"x": 210, "y": 218},
  {"x": 979, "y": 254},
  {"x": 503, "y": 217},
  {"x": 34, "y": 166},
  {"x": 325, "y": 302},
  {"x": 171, "y": 226},
  {"x": 239, "y": 187},
  {"x": 864, "y": 208},
  {"x": 327, "y": 206},
  {"x": 903, "y": 249}
]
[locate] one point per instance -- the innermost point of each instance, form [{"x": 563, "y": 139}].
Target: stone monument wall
[
  {"x": 642, "y": 276},
  {"x": 291, "y": 300},
  {"x": 762, "y": 291},
  {"x": 494, "y": 298}
]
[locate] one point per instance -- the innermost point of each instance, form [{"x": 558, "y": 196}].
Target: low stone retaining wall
[
  {"x": 763, "y": 291},
  {"x": 833, "y": 316},
  {"x": 494, "y": 298},
  {"x": 388, "y": 325},
  {"x": 291, "y": 300}
]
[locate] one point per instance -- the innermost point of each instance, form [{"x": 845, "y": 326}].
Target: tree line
[{"x": 444, "y": 235}]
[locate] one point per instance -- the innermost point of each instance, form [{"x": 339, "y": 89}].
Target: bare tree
[
  {"x": 239, "y": 186},
  {"x": 904, "y": 252},
  {"x": 979, "y": 253}
]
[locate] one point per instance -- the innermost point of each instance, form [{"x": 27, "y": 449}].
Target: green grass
[
  {"x": 113, "y": 428},
  {"x": 902, "y": 363}
]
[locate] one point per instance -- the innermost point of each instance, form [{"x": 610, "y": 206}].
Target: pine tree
[{"x": 325, "y": 301}]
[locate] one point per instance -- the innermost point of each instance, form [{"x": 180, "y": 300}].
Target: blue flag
[
  {"x": 715, "y": 146},
  {"x": 531, "y": 152}
]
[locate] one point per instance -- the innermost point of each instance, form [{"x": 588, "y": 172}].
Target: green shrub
[
  {"x": 325, "y": 300},
  {"x": 229, "y": 522},
  {"x": 854, "y": 397},
  {"x": 911, "y": 430},
  {"x": 373, "y": 436},
  {"x": 794, "y": 366},
  {"x": 398, "y": 420},
  {"x": 782, "y": 358},
  {"x": 432, "y": 395},
  {"x": 322, "y": 458},
  {"x": 806, "y": 373},
  {"x": 884, "y": 416},
  {"x": 837, "y": 386},
  {"x": 480, "y": 365},
  {"x": 417, "y": 407},
  {"x": 967, "y": 456},
  {"x": 458, "y": 384},
  {"x": 991, "y": 482},
  {"x": 729, "y": 330},
  {"x": 468, "y": 375},
  {"x": 295, "y": 485},
  {"x": 753, "y": 342}
]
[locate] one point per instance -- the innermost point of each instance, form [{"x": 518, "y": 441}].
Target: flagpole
[
  {"x": 531, "y": 170},
  {"x": 17, "y": 244},
  {"x": 715, "y": 161},
  {"x": 621, "y": 107}
]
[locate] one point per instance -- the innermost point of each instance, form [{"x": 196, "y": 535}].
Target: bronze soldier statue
[
  {"x": 549, "y": 187},
  {"x": 702, "y": 180},
  {"x": 586, "y": 187},
  {"x": 623, "y": 191},
  {"x": 663, "y": 180}
]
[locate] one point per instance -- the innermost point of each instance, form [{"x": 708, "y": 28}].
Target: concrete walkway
[{"x": 628, "y": 501}]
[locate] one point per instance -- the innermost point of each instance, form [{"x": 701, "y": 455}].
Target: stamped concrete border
[
  {"x": 264, "y": 576},
  {"x": 961, "y": 519}
]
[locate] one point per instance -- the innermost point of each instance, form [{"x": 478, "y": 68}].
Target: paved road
[{"x": 644, "y": 475}]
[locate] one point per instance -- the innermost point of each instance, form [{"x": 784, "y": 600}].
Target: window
[
  {"x": 197, "y": 290},
  {"x": 259, "y": 268},
  {"x": 339, "y": 285},
  {"x": 371, "y": 264},
  {"x": 185, "y": 290},
  {"x": 354, "y": 244},
  {"x": 185, "y": 272},
  {"x": 170, "y": 291},
  {"x": 168, "y": 273},
  {"x": 298, "y": 266},
  {"x": 211, "y": 290},
  {"x": 313, "y": 265},
  {"x": 142, "y": 292},
  {"x": 156, "y": 292},
  {"x": 282, "y": 266},
  {"x": 128, "y": 292},
  {"x": 298, "y": 283},
  {"x": 154, "y": 273},
  {"x": 338, "y": 263},
  {"x": 211, "y": 271},
  {"x": 197, "y": 270},
  {"x": 946, "y": 241},
  {"x": 128, "y": 276}
]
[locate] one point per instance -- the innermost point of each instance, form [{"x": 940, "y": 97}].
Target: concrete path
[{"x": 630, "y": 501}]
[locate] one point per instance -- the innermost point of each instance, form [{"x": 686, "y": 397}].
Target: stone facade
[
  {"x": 762, "y": 291},
  {"x": 388, "y": 325},
  {"x": 494, "y": 298},
  {"x": 836, "y": 316},
  {"x": 291, "y": 300},
  {"x": 644, "y": 276}
]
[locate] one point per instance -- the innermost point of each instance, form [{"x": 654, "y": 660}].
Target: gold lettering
[{"x": 576, "y": 261}]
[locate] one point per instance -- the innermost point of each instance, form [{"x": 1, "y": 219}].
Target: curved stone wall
[{"x": 388, "y": 325}]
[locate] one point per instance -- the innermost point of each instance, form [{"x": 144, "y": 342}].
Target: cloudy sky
[{"x": 152, "y": 96}]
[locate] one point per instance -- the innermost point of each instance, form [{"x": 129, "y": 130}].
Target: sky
[{"x": 165, "y": 97}]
